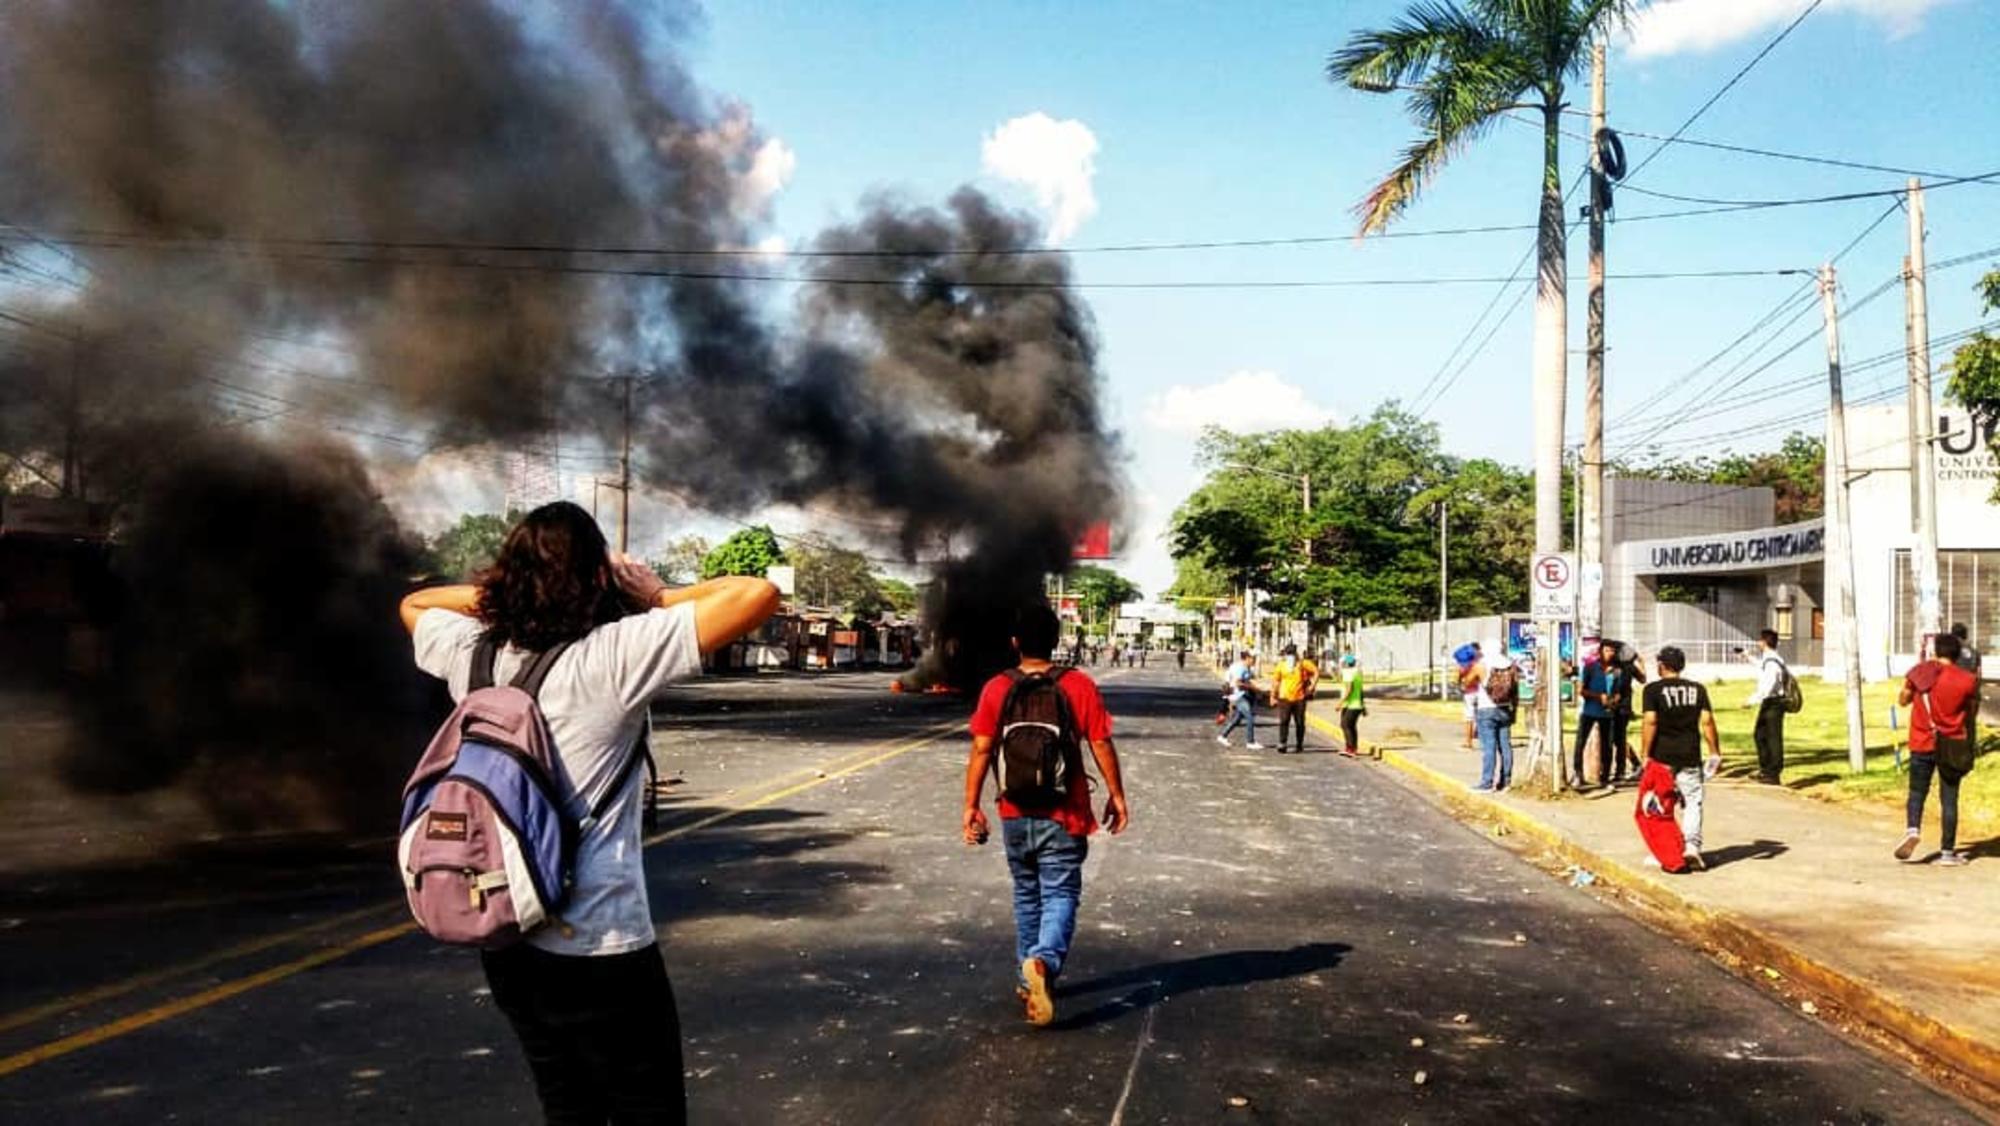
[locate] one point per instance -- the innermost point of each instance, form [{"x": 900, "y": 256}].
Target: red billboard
[{"x": 1094, "y": 543}]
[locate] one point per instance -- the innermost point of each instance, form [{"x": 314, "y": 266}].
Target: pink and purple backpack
[{"x": 488, "y": 847}]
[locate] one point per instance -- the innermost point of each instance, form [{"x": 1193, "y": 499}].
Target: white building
[{"x": 1730, "y": 570}]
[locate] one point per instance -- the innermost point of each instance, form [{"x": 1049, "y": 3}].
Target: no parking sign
[{"x": 1552, "y": 586}]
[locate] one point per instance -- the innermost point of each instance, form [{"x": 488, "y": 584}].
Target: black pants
[
  {"x": 1292, "y": 715},
  {"x": 1584, "y": 726},
  {"x": 1922, "y": 766},
  {"x": 1770, "y": 736},
  {"x": 1350, "y": 727},
  {"x": 600, "y": 1034},
  {"x": 1627, "y": 763}
]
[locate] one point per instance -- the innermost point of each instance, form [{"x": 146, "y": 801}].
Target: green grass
[{"x": 1816, "y": 749}]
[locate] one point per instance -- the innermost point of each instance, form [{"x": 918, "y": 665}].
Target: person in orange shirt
[{"x": 1292, "y": 684}]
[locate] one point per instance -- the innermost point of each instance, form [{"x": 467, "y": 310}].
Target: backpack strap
[
  {"x": 481, "y": 673},
  {"x": 532, "y": 674},
  {"x": 641, "y": 752}
]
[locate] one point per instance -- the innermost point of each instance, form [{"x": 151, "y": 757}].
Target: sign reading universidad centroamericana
[{"x": 1749, "y": 550}]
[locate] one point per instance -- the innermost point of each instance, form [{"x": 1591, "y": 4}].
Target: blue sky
[{"x": 1213, "y": 121}]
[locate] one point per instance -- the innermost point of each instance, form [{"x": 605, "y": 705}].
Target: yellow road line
[
  {"x": 146, "y": 1018},
  {"x": 931, "y": 735},
  {"x": 193, "y": 1001},
  {"x": 152, "y": 977}
]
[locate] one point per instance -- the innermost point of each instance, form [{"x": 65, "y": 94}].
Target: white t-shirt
[{"x": 596, "y": 699}]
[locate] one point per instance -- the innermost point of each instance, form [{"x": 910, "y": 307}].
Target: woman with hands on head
[{"x": 589, "y": 999}]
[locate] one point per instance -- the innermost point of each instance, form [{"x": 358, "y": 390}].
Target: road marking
[
  {"x": 931, "y": 735},
  {"x": 139, "y": 981},
  {"x": 1138, "y": 1051},
  {"x": 146, "y": 1018},
  {"x": 193, "y": 1001}
]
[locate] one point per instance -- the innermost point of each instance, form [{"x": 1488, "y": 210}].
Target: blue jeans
[
  {"x": 1047, "y": 866},
  {"x": 1240, "y": 713},
  {"x": 1496, "y": 747}
]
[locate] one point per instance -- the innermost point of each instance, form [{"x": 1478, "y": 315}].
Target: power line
[
  {"x": 1775, "y": 154},
  {"x": 899, "y": 281},
  {"x": 1843, "y": 197},
  {"x": 1417, "y": 403},
  {"x": 1802, "y": 297},
  {"x": 1726, "y": 87},
  {"x": 276, "y": 246}
]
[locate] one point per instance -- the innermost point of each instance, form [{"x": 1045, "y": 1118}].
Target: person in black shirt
[{"x": 1678, "y": 721}]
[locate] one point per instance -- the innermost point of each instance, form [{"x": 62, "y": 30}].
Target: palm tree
[{"x": 1464, "y": 67}]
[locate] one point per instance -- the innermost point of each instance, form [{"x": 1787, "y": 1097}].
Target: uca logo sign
[{"x": 1964, "y": 446}]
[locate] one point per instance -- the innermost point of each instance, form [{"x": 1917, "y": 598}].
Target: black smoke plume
[{"x": 385, "y": 225}]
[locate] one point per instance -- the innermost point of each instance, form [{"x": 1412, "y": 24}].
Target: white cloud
[
  {"x": 1055, "y": 159},
  {"x": 1673, "y": 27},
  {"x": 771, "y": 246},
  {"x": 1245, "y": 401}
]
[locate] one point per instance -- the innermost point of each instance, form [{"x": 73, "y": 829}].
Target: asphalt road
[{"x": 1302, "y": 933}]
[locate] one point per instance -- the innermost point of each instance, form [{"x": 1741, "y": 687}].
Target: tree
[
  {"x": 681, "y": 562},
  {"x": 1100, "y": 591},
  {"x": 902, "y": 597},
  {"x": 1795, "y": 471},
  {"x": 1372, "y": 527},
  {"x": 1975, "y": 376},
  {"x": 471, "y": 545},
  {"x": 831, "y": 575},
  {"x": 751, "y": 551},
  {"x": 1464, "y": 69}
]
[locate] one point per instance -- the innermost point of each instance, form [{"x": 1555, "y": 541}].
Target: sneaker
[
  {"x": 1483, "y": 789},
  {"x": 1041, "y": 1006},
  {"x": 1350, "y": 752},
  {"x": 1253, "y": 746},
  {"x": 1694, "y": 861},
  {"x": 1222, "y": 740},
  {"x": 1953, "y": 859},
  {"x": 1909, "y": 846}
]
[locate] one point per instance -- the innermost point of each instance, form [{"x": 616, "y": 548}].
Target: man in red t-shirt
[
  {"x": 1045, "y": 852},
  {"x": 1940, "y": 696}
]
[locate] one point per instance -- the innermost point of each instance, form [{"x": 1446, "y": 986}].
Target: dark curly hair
[{"x": 551, "y": 582}]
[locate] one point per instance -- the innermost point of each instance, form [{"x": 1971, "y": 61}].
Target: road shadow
[
  {"x": 1987, "y": 848},
  {"x": 1759, "y": 849},
  {"x": 760, "y": 862},
  {"x": 1154, "y": 982}
]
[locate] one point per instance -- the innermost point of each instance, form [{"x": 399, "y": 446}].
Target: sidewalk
[{"x": 1805, "y": 888}]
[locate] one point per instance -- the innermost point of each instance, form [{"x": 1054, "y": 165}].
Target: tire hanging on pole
[{"x": 1610, "y": 158}]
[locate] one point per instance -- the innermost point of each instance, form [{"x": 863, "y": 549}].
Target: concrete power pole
[
  {"x": 1840, "y": 560},
  {"x": 1444, "y": 586},
  {"x": 625, "y": 476},
  {"x": 1923, "y": 459},
  {"x": 1590, "y": 540}
]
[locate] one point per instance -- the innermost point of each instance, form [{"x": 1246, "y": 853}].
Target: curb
[{"x": 1930, "y": 1039}]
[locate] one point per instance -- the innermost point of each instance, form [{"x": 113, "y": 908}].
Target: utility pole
[
  {"x": 1590, "y": 535},
  {"x": 1444, "y": 587},
  {"x": 1930, "y": 616},
  {"x": 625, "y": 476},
  {"x": 1840, "y": 561},
  {"x": 1306, "y": 490}
]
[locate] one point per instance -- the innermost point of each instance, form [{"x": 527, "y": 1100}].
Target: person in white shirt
[
  {"x": 1769, "y": 700},
  {"x": 589, "y": 1001}
]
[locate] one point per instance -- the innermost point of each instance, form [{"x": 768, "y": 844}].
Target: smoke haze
[{"x": 226, "y": 176}]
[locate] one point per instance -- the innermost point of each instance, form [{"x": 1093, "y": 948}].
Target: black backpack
[{"x": 1039, "y": 754}]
